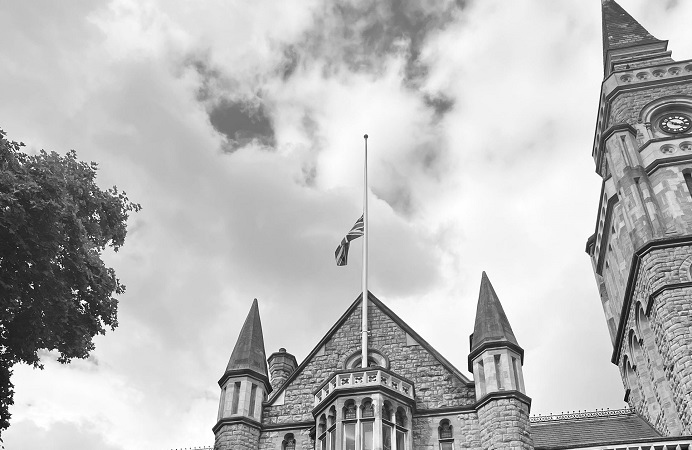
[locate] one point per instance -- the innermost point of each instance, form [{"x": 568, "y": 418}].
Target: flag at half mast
[{"x": 341, "y": 253}]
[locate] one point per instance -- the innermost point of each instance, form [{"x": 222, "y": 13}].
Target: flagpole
[{"x": 364, "y": 328}]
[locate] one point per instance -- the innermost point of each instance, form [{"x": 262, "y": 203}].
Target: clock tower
[{"x": 641, "y": 250}]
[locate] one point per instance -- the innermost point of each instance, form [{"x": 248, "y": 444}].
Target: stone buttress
[{"x": 641, "y": 250}]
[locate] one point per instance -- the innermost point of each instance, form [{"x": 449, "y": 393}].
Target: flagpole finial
[{"x": 365, "y": 136}]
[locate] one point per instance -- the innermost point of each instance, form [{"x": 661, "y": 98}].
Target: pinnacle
[
  {"x": 621, "y": 30},
  {"x": 491, "y": 321},
  {"x": 248, "y": 353}
]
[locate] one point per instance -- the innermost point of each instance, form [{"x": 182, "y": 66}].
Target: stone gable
[{"x": 436, "y": 383}]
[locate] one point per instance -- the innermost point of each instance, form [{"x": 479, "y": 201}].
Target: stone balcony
[{"x": 362, "y": 379}]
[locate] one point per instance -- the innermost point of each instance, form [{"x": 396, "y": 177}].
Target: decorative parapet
[
  {"x": 364, "y": 378},
  {"x": 581, "y": 415},
  {"x": 645, "y": 74},
  {"x": 667, "y": 444}
]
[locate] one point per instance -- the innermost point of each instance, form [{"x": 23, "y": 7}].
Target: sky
[{"x": 239, "y": 131}]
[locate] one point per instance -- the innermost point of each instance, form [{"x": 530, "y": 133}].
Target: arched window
[
  {"x": 387, "y": 426},
  {"x": 331, "y": 430},
  {"x": 367, "y": 409},
  {"x": 350, "y": 410},
  {"x": 401, "y": 429},
  {"x": 322, "y": 433},
  {"x": 445, "y": 435},
  {"x": 289, "y": 442},
  {"x": 375, "y": 359},
  {"x": 350, "y": 422}
]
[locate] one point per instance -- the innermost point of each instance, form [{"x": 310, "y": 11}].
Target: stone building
[{"x": 409, "y": 397}]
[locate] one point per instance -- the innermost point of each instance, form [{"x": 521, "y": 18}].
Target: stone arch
[
  {"x": 685, "y": 270},
  {"x": 367, "y": 408},
  {"x": 664, "y": 104},
  {"x": 387, "y": 411},
  {"x": 375, "y": 358}
]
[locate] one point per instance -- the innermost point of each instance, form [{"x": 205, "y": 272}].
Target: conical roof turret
[
  {"x": 621, "y": 31},
  {"x": 492, "y": 327},
  {"x": 248, "y": 353}
]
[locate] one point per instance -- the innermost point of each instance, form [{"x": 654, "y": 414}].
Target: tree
[{"x": 55, "y": 291}]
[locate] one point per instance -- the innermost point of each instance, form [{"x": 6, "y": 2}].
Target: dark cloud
[
  {"x": 440, "y": 103},
  {"x": 242, "y": 122},
  {"x": 362, "y": 35}
]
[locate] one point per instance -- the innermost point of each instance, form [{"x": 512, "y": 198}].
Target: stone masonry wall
[
  {"x": 626, "y": 107},
  {"x": 435, "y": 385},
  {"x": 272, "y": 440},
  {"x": 465, "y": 431},
  {"x": 504, "y": 425},
  {"x": 664, "y": 375},
  {"x": 237, "y": 436}
]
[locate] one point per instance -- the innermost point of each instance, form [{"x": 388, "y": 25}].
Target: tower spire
[
  {"x": 248, "y": 353},
  {"x": 626, "y": 42},
  {"x": 492, "y": 325}
]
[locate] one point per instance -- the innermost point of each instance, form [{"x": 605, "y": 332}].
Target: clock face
[{"x": 675, "y": 123}]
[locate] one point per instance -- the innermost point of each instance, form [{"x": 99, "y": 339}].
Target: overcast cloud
[{"x": 239, "y": 130}]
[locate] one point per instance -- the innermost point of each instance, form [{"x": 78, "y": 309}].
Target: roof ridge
[{"x": 596, "y": 414}]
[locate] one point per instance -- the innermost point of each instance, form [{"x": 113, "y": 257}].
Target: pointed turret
[
  {"x": 496, "y": 356},
  {"x": 496, "y": 362},
  {"x": 491, "y": 324},
  {"x": 244, "y": 386},
  {"x": 626, "y": 43},
  {"x": 248, "y": 353}
]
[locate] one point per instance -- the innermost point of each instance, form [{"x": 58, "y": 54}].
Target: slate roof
[
  {"x": 622, "y": 30},
  {"x": 491, "y": 321},
  {"x": 248, "y": 353},
  {"x": 591, "y": 431}
]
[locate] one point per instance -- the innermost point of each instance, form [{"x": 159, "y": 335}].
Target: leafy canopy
[{"x": 55, "y": 291}]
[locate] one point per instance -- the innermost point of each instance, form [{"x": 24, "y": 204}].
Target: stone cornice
[
  {"x": 235, "y": 420},
  {"x": 494, "y": 344},
  {"x": 246, "y": 372},
  {"x": 288, "y": 426},
  {"x": 631, "y": 281},
  {"x": 498, "y": 395}
]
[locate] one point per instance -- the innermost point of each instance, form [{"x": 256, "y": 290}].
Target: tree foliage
[{"x": 55, "y": 291}]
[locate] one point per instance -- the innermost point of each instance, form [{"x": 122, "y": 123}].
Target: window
[
  {"x": 401, "y": 431},
  {"x": 688, "y": 181},
  {"x": 350, "y": 422},
  {"x": 331, "y": 431},
  {"x": 236, "y": 395},
  {"x": 289, "y": 442},
  {"x": 361, "y": 427},
  {"x": 322, "y": 433},
  {"x": 253, "y": 394},
  {"x": 498, "y": 374},
  {"x": 367, "y": 425},
  {"x": 445, "y": 435}
]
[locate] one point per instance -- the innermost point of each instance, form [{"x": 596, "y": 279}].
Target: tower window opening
[
  {"x": 515, "y": 366},
  {"x": 498, "y": 374},
  {"x": 688, "y": 181},
  {"x": 481, "y": 377},
  {"x": 236, "y": 397},
  {"x": 253, "y": 394}
]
